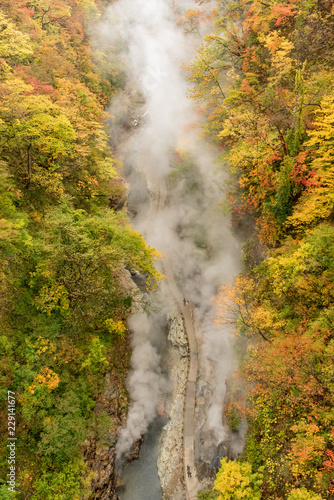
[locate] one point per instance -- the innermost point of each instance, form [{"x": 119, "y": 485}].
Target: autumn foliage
[
  {"x": 63, "y": 250},
  {"x": 266, "y": 75}
]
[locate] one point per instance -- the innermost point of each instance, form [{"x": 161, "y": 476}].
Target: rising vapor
[
  {"x": 146, "y": 383},
  {"x": 188, "y": 228}
]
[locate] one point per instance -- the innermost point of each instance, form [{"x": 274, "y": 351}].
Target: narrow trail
[{"x": 192, "y": 484}]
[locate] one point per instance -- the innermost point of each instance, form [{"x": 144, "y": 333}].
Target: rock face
[
  {"x": 211, "y": 446},
  {"x": 170, "y": 461},
  {"x": 100, "y": 449},
  {"x": 176, "y": 334},
  {"x": 125, "y": 278}
]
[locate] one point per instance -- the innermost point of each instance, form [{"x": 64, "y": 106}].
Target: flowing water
[{"x": 141, "y": 476}]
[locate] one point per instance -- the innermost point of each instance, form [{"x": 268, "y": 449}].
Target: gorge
[{"x": 175, "y": 188}]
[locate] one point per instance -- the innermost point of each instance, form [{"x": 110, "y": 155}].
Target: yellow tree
[
  {"x": 317, "y": 201},
  {"x": 236, "y": 481}
]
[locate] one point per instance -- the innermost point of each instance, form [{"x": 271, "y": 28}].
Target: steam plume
[{"x": 188, "y": 228}]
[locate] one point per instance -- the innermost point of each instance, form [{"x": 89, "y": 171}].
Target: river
[{"x": 141, "y": 479}]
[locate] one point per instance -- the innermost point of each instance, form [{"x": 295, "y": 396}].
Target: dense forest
[
  {"x": 64, "y": 249},
  {"x": 265, "y": 76}
]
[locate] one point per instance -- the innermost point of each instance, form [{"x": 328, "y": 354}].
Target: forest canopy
[
  {"x": 64, "y": 251},
  {"x": 265, "y": 78}
]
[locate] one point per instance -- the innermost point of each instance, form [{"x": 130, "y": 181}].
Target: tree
[
  {"x": 235, "y": 481},
  {"x": 303, "y": 494},
  {"x": 15, "y": 46}
]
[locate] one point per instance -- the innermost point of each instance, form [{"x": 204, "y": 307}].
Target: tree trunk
[{"x": 29, "y": 165}]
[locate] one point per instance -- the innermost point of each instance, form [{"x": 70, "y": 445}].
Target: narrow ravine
[
  {"x": 135, "y": 487},
  {"x": 174, "y": 188}
]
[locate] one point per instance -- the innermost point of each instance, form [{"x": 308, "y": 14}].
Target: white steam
[
  {"x": 146, "y": 383},
  {"x": 188, "y": 228}
]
